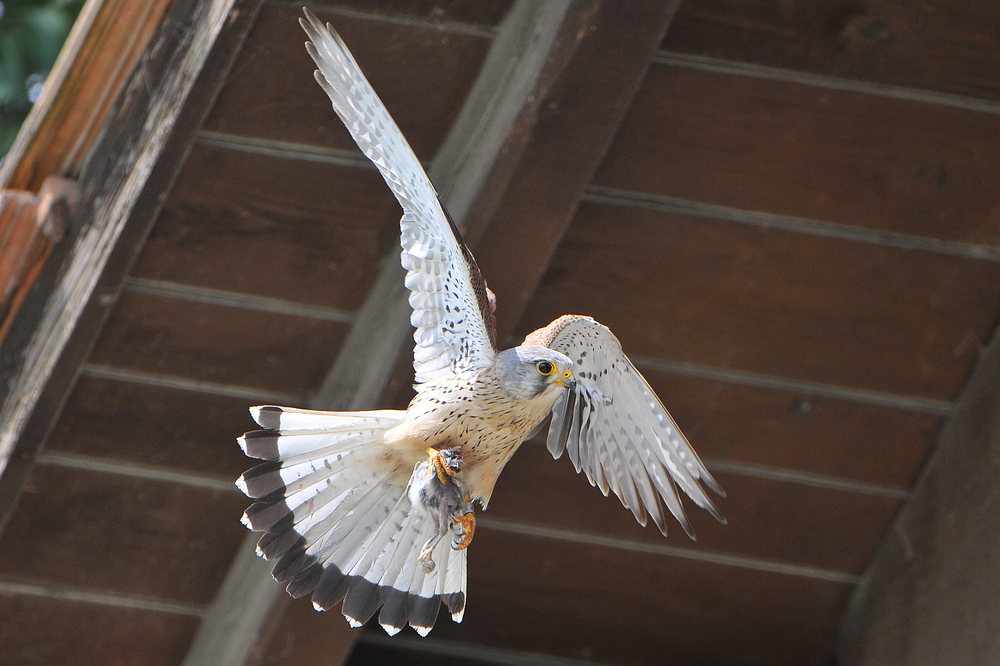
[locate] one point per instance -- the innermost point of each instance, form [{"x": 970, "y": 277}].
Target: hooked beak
[{"x": 568, "y": 380}]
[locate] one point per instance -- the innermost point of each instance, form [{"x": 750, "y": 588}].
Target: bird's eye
[{"x": 545, "y": 368}]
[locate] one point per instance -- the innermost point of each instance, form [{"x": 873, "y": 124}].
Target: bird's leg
[
  {"x": 466, "y": 523},
  {"x": 444, "y": 464}
]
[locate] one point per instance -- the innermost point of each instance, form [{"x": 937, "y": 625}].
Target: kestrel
[{"x": 376, "y": 508}]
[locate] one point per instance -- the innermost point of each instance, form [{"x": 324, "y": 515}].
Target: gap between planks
[
  {"x": 99, "y": 597},
  {"x": 735, "y": 68},
  {"x": 440, "y": 24},
  {"x": 627, "y": 198},
  {"x": 153, "y": 472}
]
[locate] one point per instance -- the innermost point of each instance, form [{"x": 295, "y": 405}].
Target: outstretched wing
[
  {"x": 617, "y": 431},
  {"x": 451, "y": 310}
]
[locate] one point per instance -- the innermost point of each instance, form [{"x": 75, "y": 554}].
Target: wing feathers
[
  {"x": 617, "y": 432},
  {"x": 451, "y": 308}
]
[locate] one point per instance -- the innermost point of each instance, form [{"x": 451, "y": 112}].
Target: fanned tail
[{"x": 337, "y": 521}]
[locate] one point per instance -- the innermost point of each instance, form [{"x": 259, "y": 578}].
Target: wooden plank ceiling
[{"x": 795, "y": 231}]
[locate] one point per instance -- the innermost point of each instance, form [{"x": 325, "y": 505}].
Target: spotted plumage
[{"x": 374, "y": 509}]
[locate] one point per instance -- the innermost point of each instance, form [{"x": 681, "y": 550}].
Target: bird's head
[{"x": 529, "y": 371}]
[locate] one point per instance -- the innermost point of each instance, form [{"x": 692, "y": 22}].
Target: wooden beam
[
  {"x": 578, "y": 120},
  {"x": 124, "y": 180},
  {"x": 931, "y": 594},
  {"x": 93, "y": 65}
]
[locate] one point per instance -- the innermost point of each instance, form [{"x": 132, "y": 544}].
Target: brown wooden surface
[
  {"x": 620, "y": 607},
  {"x": 945, "y": 45},
  {"x": 36, "y": 630},
  {"x": 467, "y": 11},
  {"x": 791, "y": 430},
  {"x": 218, "y": 344},
  {"x": 171, "y": 428},
  {"x": 931, "y": 595},
  {"x": 301, "y": 635},
  {"x": 799, "y": 150},
  {"x": 771, "y": 520},
  {"x": 302, "y": 231},
  {"x": 580, "y": 116},
  {"x": 772, "y": 301},
  {"x": 18, "y": 233},
  {"x": 117, "y": 533},
  {"x": 94, "y": 67},
  {"x": 422, "y": 75}
]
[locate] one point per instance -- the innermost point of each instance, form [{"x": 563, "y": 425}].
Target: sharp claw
[
  {"x": 463, "y": 537},
  {"x": 440, "y": 465}
]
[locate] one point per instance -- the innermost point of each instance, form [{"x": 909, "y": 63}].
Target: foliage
[{"x": 31, "y": 34}]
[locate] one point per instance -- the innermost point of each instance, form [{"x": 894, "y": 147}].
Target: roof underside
[{"x": 792, "y": 227}]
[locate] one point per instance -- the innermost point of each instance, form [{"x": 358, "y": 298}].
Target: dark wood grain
[
  {"x": 799, "y": 150},
  {"x": 944, "y": 45},
  {"x": 475, "y": 12},
  {"x": 772, "y": 301},
  {"x": 37, "y": 630},
  {"x": 619, "y": 607},
  {"x": 422, "y": 75},
  {"x": 118, "y": 533},
  {"x": 771, "y": 520},
  {"x": 579, "y": 118},
  {"x": 218, "y": 344},
  {"x": 798, "y": 431},
  {"x": 301, "y": 231},
  {"x": 299, "y": 634},
  {"x": 930, "y": 594},
  {"x": 172, "y": 428}
]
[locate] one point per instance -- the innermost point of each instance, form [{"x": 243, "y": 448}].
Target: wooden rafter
[
  {"x": 124, "y": 179},
  {"x": 929, "y": 596}
]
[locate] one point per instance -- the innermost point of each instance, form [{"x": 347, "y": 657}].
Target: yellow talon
[
  {"x": 439, "y": 463},
  {"x": 468, "y": 530}
]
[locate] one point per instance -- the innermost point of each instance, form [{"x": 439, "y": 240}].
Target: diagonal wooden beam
[
  {"x": 124, "y": 180},
  {"x": 579, "y": 118},
  {"x": 930, "y": 595}
]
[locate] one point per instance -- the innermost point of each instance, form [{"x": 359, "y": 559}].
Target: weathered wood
[
  {"x": 233, "y": 620},
  {"x": 613, "y": 606},
  {"x": 931, "y": 595},
  {"x": 303, "y": 231},
  {"x": 797, "y": 430},
  {"x": 838, "y": 156},
  {"x": 131, "y": 422},
  {"x": 216, "y": 343},
  {"x": 19, "y": 231},
  {"x": 106, "y": 41},
  {"x": 118, "y": 533},
  {"x": 578, "y": 117},
  {"x": 472, "y": 13},
  {"x": 40, "y": 630},
  {"x": 773, "y": 301},
  {"x": 944, "y": 45},
  {"x": 421, "y": 73},
  {"x": 769, "y": 520},
  {"x": 146, "y": 137}
]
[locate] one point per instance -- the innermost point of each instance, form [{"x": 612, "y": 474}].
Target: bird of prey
[{"x": 376, "y": 508}]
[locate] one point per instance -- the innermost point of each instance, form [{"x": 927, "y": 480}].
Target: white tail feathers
[{"x": 337, "y": 520}]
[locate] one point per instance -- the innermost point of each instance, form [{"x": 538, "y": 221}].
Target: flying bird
[{"x": 375, "y": 508}]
